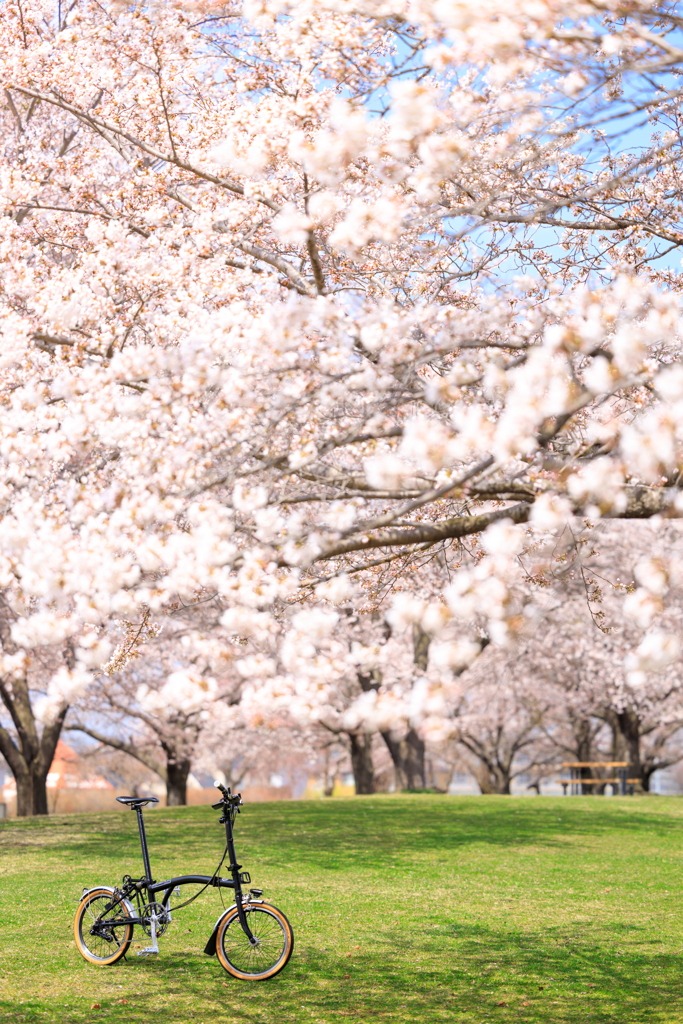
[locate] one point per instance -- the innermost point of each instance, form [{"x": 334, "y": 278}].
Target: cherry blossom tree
[
  {"x": 498, "y": 721},
  {"x": 305, "y": 303},
  {"x": 157, "y": 709},
  {"x": 580, "y": 659},
  {"x": 40, "y": 677},
  {"x": 239, "y": 755},
  {"x": 27, "y": 748},
  {"x": 126, "y": 773}
]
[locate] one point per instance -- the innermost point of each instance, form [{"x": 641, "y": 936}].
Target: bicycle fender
[
  {"x": 210, "y": 947},
  {"x": 108, "y": 888}
]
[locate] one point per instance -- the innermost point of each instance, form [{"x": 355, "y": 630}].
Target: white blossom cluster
[{"x": 264, "y": 349}]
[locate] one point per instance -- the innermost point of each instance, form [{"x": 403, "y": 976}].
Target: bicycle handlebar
[{"x": 233, "y": 799}]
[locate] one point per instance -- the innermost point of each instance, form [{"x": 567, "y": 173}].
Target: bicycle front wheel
[
  {"x": 102, "y": 937},
  {"x": 274, "y": 943}
]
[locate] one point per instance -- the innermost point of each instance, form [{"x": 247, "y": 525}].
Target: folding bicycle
[{"x": 252, "y": 939}]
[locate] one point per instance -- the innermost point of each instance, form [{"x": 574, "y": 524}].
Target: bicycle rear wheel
[
  {"x": 101, "y": 937},
  {"x": 275, "y": 942}
]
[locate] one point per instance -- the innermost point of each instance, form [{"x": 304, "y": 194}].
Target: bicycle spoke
[
  {"x": 109, "y": 936},
  {"x": 272, "y": 942}
]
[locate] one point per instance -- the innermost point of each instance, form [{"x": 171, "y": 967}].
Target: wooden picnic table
[{"x": 620, "y": 784}]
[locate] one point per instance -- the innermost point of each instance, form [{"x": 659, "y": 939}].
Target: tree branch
[
  {"x": 642, "y": 503},
  {"x": 421, "y": 533},
  {"x": 127, "y": 748},
  {"x": 111, "y": 131}
]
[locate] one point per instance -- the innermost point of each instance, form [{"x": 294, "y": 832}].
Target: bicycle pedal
[{"x": 147, "y": 952}]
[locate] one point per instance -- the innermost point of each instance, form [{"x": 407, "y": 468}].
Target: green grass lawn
[{"x": 404, "y": 908}]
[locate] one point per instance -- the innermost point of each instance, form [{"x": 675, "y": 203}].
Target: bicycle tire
[
  {"x": 92, "y": 946},
  {"x": 255, "y": 963}
]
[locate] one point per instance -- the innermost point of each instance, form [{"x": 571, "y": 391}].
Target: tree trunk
[
  {"x": 421, "y": 641},
  {"x": 31, "y": 794},
  {"x": 177, "y": 773},
  {"x": 330, "y": 773},
  {"x": 431, "y": 777},
  {"x": 492, "y": 779},
  {"x": 30, "y": 756},
  {"x": 39, "y": 791},
  {"x": 483, "y": 777},
  {"x": 361, "y": 762},
  {"x": 584, "y": 751},
  {"x": 408, "y": 754},
  {"x": 626, "y": 741},
  {"x": 657, "y": 754}
]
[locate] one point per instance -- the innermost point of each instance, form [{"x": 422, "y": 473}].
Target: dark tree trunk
[
  {"x": 361, "y": 762},
  {"x": 24, "y": 795},
  {"x": 504, "y": 785},
  {"x": 583, "y": 734},
  {"x": 584, "y": 750},
  {"x": 39, "y": 788},
  {"x": 177, "y": 773},
  {"x": 408, "y": 755},
  {"x": 421, "y": 641},
  {"x": 31, "y": 794}
]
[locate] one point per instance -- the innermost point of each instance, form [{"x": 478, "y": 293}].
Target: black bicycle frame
[{"x": 168, "y": 885}]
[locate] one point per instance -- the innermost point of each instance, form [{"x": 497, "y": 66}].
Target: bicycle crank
[{"x": 155, "y": 923}]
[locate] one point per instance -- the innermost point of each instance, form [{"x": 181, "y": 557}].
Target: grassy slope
[{"x": 405, "y": 908}]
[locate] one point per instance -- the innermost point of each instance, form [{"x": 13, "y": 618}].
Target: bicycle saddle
[{"x": 137, "y": 801}]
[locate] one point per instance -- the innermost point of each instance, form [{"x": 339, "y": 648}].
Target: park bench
[{"x": 621, "y": 784}]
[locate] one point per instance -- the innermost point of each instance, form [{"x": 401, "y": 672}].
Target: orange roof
[{"x": 64, "y": 754}]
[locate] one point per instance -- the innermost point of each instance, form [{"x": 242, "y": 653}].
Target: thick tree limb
[
  {"x": 642, "y": 503},
  {"x": 645, "y": 502},
  {"x": 421, "y": 533},
  {"x": 11, "y": 753}
]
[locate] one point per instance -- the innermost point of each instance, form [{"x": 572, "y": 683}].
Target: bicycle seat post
[{"x": 143, "y": 844}]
